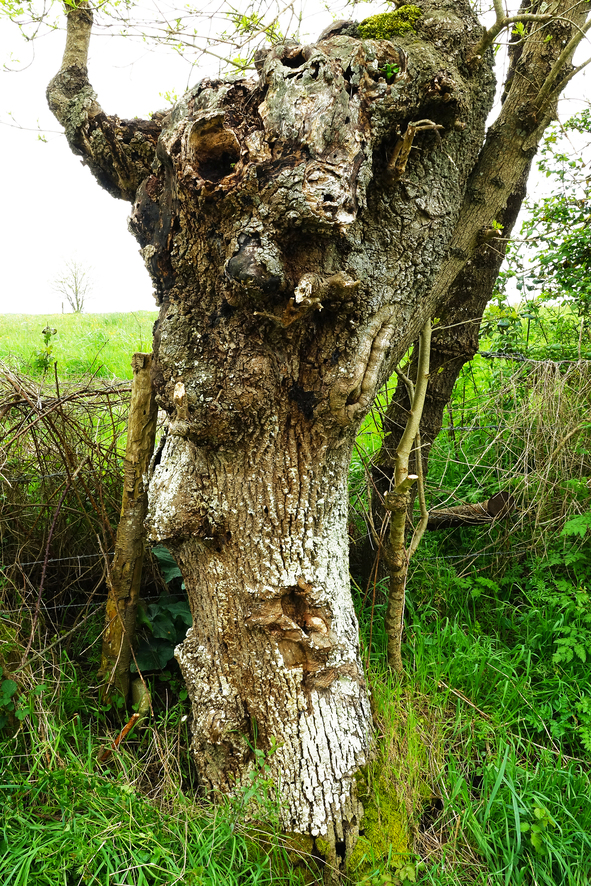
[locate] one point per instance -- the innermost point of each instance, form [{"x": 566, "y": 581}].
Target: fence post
[{"x": 125, "y": 573}]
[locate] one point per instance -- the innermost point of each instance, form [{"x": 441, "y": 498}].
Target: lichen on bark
[{"x": 290, "y": 274}]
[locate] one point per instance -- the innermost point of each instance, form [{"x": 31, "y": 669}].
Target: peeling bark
[{"x": 295, "y": 253}]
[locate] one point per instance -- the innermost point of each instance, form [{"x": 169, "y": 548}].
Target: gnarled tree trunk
[{"x": 296, "y": 227}]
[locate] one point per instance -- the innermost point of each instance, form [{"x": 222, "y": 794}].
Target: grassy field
[{"x": 83, "y": 344}]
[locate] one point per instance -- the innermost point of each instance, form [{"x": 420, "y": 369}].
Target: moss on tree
[
  {"x": 386, "y": 827},
  {"x": 390, "y": 24}
]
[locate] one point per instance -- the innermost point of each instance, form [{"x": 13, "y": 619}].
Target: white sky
[{"x": 53, "y": 209}]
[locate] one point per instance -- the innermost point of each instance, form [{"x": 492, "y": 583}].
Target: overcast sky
[{"x": 53, "y": 210}]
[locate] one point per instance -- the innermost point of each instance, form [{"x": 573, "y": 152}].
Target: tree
[
  {"x": 300, "y": 229},
  {"x": 551, "y": 262},
  {"x": 74, "y": 284}
]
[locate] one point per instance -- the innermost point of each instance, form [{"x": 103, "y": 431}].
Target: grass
[
  {"x": 482, "y": 767},
  {"x": 497, "y": 640},
  {"x": 113, "y": 834},
  {"x": 67, "y": 819},
  {"x": 95, "y": 344},
  {"x": 482, "y": 741}
]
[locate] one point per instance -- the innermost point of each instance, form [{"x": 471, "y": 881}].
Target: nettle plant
[{"x": 559, "y": 622}]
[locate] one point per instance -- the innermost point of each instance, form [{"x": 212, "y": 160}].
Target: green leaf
[
  {"x": 8, "y": 689},
  {"x": 163, "y": 628},
  {"x": 578, "y": 525},
  {"x": 153, "y": 655},
  {"x": 180, "y": 610},
  {"x": 166, "y": 563}
]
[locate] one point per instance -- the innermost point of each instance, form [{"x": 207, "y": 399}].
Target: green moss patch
[
  {"x": 386, "y": 828},
  {"x": 390, "y": 24},
  {"x": 394, "y": 787}
]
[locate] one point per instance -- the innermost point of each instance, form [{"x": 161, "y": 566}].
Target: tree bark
[
  {"x": 294, "y": 266},
  {"x": 125, "y": 573}
]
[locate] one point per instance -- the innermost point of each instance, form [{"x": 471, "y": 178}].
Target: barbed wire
[
  {"x": 521, "y": 358},
  {"x": 94, "y": 602},
  {"x": 101, "y": 601},
  {"x": 98, "y": 556}
]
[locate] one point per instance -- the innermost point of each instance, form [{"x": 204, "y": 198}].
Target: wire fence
[
  {"x": 62, "y": 445},
  {"x": 61, "y": 458},
  {"x": 525, "y": 431}
]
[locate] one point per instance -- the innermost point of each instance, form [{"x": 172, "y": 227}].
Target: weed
[
  {"x": 8, "y": 689},
  {"x": 44, "y": 357}
]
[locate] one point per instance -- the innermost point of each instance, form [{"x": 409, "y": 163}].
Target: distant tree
[{"x": 74, "y": 284}]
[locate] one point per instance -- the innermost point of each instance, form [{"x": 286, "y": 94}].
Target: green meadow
[{"x": 98, "y": 345}]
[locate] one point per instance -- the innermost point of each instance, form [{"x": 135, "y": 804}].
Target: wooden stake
[{"x": 125, "y": 573}]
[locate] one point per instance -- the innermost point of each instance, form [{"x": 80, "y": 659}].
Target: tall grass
[
  {"x": 67, "y": 819},
  {"x": 497, "y": 640}
]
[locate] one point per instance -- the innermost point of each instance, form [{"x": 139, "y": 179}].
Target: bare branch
[
  {"x": 414, "y": 419},
  {"x": 421, "y": 528}
]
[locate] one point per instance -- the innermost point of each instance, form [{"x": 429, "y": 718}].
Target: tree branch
[
  {"x": 573, "y": 73},
  {"x": 397, "y": 502},
  {"x": 501, "y": 24},
  {"x": 79, "y": 27},
  {"x": 118, "y": 152},
  {"x": 418, "y": 401},
  {"x": 563, "y": 59},
  {"x": 421, "y": 528}
]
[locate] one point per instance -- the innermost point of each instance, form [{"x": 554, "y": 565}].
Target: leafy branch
[{"x": 502, "y": 22}]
